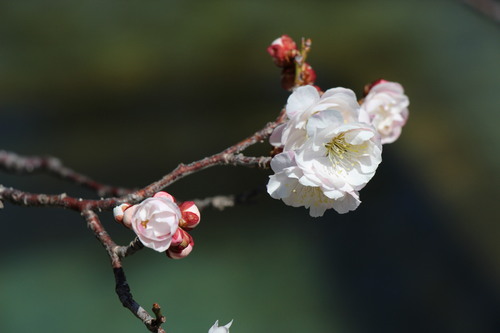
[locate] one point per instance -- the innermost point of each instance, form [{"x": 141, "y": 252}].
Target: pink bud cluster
[
  {"x": 161, "y": 224},
  {"x": 286, "y": 55}
]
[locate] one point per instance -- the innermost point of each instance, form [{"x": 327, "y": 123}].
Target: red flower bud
[
  {"x": 181, "y": 245},
  {"x": 190, "y": 215},
  {"x": 283, "y": 50}
]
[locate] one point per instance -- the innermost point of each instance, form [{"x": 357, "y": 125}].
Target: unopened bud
[
  {"x": 181, "y": 245},
  {"x": 190, "y": 215},
  {"x": 118, "y": 212},
  {"x": 283, "y": 50},
  {"x": 180, "y": 238}
]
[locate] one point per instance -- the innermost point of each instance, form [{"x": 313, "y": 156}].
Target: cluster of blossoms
[
  {"x": 331, "y": 144},
  {"x": 161, "y": 224}
]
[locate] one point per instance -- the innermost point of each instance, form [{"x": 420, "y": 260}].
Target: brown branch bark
[
  {"x": 13, "y": 162},
  {"x": 229, "y": 156}
]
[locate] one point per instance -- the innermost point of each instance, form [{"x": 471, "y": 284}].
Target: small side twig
[
  {"x": 123, "y": 291},
  {"x": 122, "y": 288},
  {"x": 125, "y": 251},
  {"x": 221, "y": 202}
]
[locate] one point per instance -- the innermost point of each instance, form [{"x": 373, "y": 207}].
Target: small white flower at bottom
[{"x": 220, "y": 329}]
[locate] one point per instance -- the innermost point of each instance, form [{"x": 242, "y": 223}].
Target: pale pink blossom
[
  {"x": 220, "y": 329},
  {"x": 155, "y": 221},
  {"x": 387, "y": 107}
]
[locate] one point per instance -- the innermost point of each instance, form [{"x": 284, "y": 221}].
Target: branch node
[{"x": 160, "y": 319}]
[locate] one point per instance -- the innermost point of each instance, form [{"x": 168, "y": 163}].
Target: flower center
[
  {"x": 343, "y": 155},
  {"x": 144, "y": 223}
]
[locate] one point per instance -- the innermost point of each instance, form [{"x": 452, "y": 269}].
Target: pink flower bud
[
  {"x": 118, "y": 212},
  {"x": 283, "y": 50},
  {"x": 155, "y": 221},
  {"x": 182, "y": 245},
  {"x": 190, "y": 215},
  {"x": 173, "y": 254}
]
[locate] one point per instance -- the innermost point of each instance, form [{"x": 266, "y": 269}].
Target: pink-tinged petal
[
  {"x": 324, "y": 119},
  {"x": 359, "y": 136},
  {"x": 301, "y": 99},
  {"x": 275, "y": 138},
  {"x": 349, "y": 203},
  {"x": 282, "y": 161},
  {"x": 163, "y": 194},
  {"x": 280, "y": 185}
]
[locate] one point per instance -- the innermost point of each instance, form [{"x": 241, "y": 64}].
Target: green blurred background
[{"x": 125, "y": 90}]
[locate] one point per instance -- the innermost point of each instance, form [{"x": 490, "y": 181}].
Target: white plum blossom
[
  {"x": 330, "y": 151},
  {"x": 155, "y": 221},
  {"x": 220, "y": 329},
  {"x": 387, "y": 107},
  {"x": 338, "y": 157},
  {"x": 302, "y": 104}
]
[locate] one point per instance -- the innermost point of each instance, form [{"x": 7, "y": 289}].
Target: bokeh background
[{"x": 125, "y": 90}]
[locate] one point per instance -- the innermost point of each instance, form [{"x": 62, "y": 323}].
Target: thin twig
[
  {"x": 122, "y": 288},
  {"x": 125, "y": 251},
  {"x": 13, "y": 162}
]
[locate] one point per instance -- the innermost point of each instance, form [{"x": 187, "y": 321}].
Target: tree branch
[
  {"x": 13, "y": 162},
  {"x": 122, "y": 288}
]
